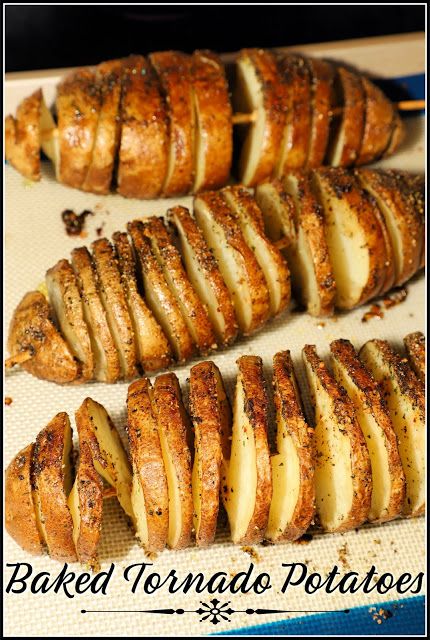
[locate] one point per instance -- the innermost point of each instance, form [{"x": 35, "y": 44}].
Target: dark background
[{"x": 40, "y": 37}]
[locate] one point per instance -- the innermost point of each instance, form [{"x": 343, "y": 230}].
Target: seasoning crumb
[
  {"x": 395, "y": 297},
  {"x": 251, "y": 552},
  {"x": 381, "y": 615},
  {"x": 74, "y": 223},
  {"x": 306, "y": 538},
  {"x": 343, "y": 556},
  {"x": 99, "y": 230},
  {"x": 375, "y": 311},
  {"x": 320, "y": 325},
  {"x": 151, "y": 555},
  {"x": 8, "y": 400}
]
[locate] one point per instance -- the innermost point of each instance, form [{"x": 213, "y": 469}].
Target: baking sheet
[{"x": 35, "y": 240}]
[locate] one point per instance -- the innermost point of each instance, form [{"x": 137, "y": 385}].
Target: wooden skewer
[
  {"x": 404, "y": 105},
  {"x": 20, "y": 358}
]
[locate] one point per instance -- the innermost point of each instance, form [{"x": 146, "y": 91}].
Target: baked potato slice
[
  {"x": 152, "y": 347},
  {"x": 277, "y": 207},
  {"x": 174, "y": 72},
  {"x": 415, "y": 344},
  {"x": 321, "y": 78},
  {"x": 20, "y": 512},
  {"x": 294, "y": 147},
  {"x": 413, "y": 188},
  {"x": 378, "y": 123},
  {"x": 66, "y": 304},
  {"x": 143, "y": 150},
  {"x": 398, "y": 134},
  {"x": 77, "y": 106},
  {"x": 237, "y": 263},
  {"x": 169, "y": 260},
  {"x": 259, "y": 88},
  {"x": 149, "y": 493},
  {"x": 268, "y": 256},
  {"x": 159, "y": 297},
  {"x": 211, "y": 419},
  {"x": 348, "y": 128},
  {"x": 22, "y": 137},
  {"x": 308, "y": 257},
  {"x": 204, "y": 275},
  {"x": 405, "y": 400},
  {"x": 247, "y": 481},
  {"x": 100, "y": 171},
  {"x": 32, "y": 330},
  {"x": 388, "y": 479},
  {"x": 175, "y": 435},
  {"x": 404, "y": 223},
  {"x": 293, "y": 501},
  {"x": 49, "y": 137},
  {"x": 85, "y": 500},
  {"x": 343, "y": 476},
  {"x": 107, "y": 364},
  {"x": 114, "y": 302},
  {"x": 354, "y": 235},
  {"x": 53, "y": 479},
  {"x": 213, "y": 141}
]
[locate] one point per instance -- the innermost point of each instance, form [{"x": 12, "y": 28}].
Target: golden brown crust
[
  {"x": 296, "y": 137},
  {"x": 268, "y": 256},
  {"x": 192, "y": 309},
  {"x": 213, "y": 149},
  {"x": 52, "y": 455},
  {"x": 404, "y": 222},
  {"x": 322, "y": 77},
  {"x": 144, "y": 139},
  {"x": 344, "y": 421},
  {"x": 253, "y": 277},
  {"x": 378, "y": 125},
  {"x": 256, "y": 410},
  {"x": 66, "y": 304},
  {"x": 397, "y": 136},
  {"x": 100, "y": 171},
  {"x": 205, "y": 275},
  {"x": 310, "y": 221},
  {"x": 20, "y": 517},
  {"x": 206, "y": 412},
  {"x": 174, "y": 429},
  {"x": 22, "y": 137},
  {"x": 107, "y": 364},
  {"x": 347, "y": 141},
  {"x": 174, "y": 72},
  {"x": 278, "y": 210},
  {"x": 415, "y": 344},
  {"x": 290, "y": 415},
  {"x": 31, "y": 329},
  {"x": 405, "y": 398},
  {"x": 259, "y": 87},
  {"x": 113, "y": 298},
  {"x": 78, "y": 105},
  {"x": 357, "y": 213},
  {"x": 158, "y": 296},
  {"x": 413, "y": 187},
  {"x": 348, "y": 365},
  {"x": 152, "y": 347},
  {"x": 89, "y": 487},
  {"x": 147, "y": 461}
]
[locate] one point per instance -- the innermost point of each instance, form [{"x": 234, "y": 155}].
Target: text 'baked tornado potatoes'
[
  {"x": 211, "y": 418},
  {"x": 176, "y": 443},
  {"x": 343, "y": 477},
  {"x": 388, "y": 479},
  {"x": 149, "y": 495},
  {"x": 404, "y": 397},
  {"x": 247, "y": 481},
  {"x": 52, "y": 477},
  {"x": 20, "y": 514},
  {"x": 293, "y": 501}
]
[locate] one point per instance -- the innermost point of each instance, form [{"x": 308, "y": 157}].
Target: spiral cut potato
[
  {"x": 161, "y": 125},
  {"x": 358, "y": 457},
  {"x": 127, "y": 306}
]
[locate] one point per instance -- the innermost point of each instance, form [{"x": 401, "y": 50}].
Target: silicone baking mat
[{"x": 35, "y": 239}]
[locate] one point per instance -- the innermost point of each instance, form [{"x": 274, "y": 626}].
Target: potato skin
[
  {"x": 22, "y": 137},
  {"x": 322, "y": 77},
  {"x": 31, "y": 329},
  {"x": 378, "y": 125},
  {"x": 415, "y": 344},
  {"x": 49, "y": 479},
  {"x": 20, "y": 517}
]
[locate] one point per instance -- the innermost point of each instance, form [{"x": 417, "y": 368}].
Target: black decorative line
[{"x": 215, "y": 612}]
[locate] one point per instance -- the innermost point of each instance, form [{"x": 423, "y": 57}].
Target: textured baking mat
[{"x": 35, "y": 240}]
